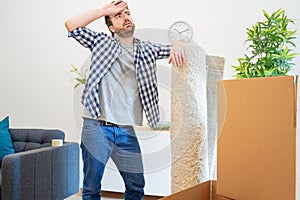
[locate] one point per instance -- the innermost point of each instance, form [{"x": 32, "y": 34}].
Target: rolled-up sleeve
[
  {"x": 163, "y": 51},
  {"x": 84, "y": 36}
]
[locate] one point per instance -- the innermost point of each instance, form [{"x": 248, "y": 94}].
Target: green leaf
[
  {"x": 266, "y": 14},
  {"x": 292, "y": 55},
  {"x": 74, "y": 68},
  {"x": 81, "y": 80},
  {"x": 76, "y": 85}
]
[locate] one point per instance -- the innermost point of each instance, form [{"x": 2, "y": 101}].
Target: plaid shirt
[{"x": 105, "y": 51}]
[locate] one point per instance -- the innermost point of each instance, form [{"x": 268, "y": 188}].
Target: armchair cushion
[
  {"x": 6, "y": 146},
  {"x": 28, "y": 139}
]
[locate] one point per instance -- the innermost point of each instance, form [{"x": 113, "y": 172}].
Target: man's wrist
[{"x": 100, "y": 12}]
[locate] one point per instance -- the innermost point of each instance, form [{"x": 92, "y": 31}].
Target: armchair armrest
[{"x": 44, "y": 173}]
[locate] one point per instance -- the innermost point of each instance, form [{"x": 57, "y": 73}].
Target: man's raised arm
[{"x": 85, "y": 18}]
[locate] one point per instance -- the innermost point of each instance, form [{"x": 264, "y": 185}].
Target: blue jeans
[{"x": 100, "y": 142}]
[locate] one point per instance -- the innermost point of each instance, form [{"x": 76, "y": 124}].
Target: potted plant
[
  {"x": 80, "y": 77},
  {"x": 270, "y": 45},
  {"x": 257, "y": 117}
]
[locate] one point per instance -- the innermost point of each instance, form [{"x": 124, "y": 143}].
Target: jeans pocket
[
  {"x": 89, "y": 125},
  {"x": 89, "y": 130}
]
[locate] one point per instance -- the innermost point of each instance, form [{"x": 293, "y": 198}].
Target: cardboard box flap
[
  {"x": 253, "y": 95},
  {"x": 198, "y": 192},
  {"x": 202, "y": 191}
]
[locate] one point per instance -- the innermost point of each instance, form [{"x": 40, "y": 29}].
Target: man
[{"x": 121, "y": 85}]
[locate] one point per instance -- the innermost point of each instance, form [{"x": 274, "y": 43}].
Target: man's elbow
[{"x": 69, "y": 26}]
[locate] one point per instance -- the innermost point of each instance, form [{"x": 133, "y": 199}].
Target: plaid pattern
[{"x": 105, "y": 50}]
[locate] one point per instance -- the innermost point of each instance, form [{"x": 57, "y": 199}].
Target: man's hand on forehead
[
  {"x": 120, "y": 5},
  {"x": 115, "y": 7},
  {"x": 118, "y": 2}
]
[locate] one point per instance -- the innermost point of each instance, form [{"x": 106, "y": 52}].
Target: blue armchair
[{"x": 38, "y": 171}]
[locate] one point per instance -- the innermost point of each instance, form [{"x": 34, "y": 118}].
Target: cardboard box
[
  {"x": 203, "y": 191},
  {"x": 257, "y": 122}
]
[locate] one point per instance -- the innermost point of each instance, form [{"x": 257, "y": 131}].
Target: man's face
[{"x": 123, "y": 24}]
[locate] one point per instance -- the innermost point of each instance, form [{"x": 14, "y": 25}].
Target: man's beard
[{"x": 125, "y": 33}]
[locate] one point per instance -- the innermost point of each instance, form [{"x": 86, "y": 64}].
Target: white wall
[{"x": 36, "y": 54}]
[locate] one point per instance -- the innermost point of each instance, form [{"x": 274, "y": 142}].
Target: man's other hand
[{"x": 177, "y": 55}]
